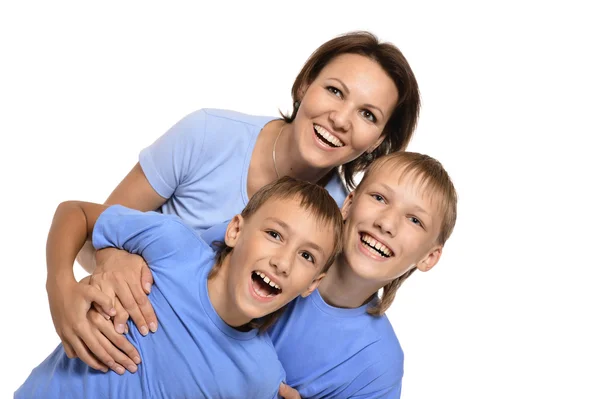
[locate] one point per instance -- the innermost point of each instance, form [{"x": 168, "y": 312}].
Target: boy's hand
[
  {"x": 120, "y": 275},
  {"x": 287, "y": 392},
  {"x": 69, "y": 305}
]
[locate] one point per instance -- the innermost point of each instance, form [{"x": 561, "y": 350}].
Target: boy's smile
[
  {"x": 391, "y": 226},
  {"x": 279, "y": 253}
]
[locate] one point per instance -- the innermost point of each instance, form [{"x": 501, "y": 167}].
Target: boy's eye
[
  {"x": 334, "y": 90},
  {"x": 369, "y": 115},
  {"x": 274, "y": 234},
  {"x": 307, "y": 256},
  {"x": 378, "y": 198},
  {"x": 415, "y": 221}
]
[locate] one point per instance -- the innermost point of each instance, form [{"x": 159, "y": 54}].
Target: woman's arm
[
  {"x": 71, "y": 226},
  {"x": 135, "y": 192}
]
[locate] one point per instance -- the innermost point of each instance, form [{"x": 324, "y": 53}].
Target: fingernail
[
  {"x": 111, "y": 364},
  {"x": 132, "y": 368},
  {"x": 144, "y": 330},
  {"x": 112, "y": 312},
  {"x": 137, "y": 360},
  {"x": 120, "y": 328},
  {"x": 147, "y": 287},
  {"x": 107, "y": 317},
  {"x": 152, "y": 326},
  {"x": 126, "y": 329},
  {"x": 120, "y": 370},
  {"x": 105, "y": 370}
]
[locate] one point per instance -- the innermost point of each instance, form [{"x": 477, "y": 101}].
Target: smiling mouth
[
  {"x": 327, "y": 138},
  {"x": 374, "y": 246},
  {"x": 263, "y": 286}
]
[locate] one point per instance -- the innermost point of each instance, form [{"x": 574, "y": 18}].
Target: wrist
[{"x": 59, "y": 280}]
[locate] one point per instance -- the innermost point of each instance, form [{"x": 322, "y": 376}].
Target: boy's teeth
[
  {"x": 328, "y": 136},
  {"x": 376, "y": 246},
  {"x": 267, "y": 280}
]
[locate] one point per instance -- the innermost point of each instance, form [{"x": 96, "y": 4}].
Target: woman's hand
[
  {"x": 120, "y": 275},
  {"x": 70, "y": 302},
  {"x": 287, "y": 392},
  {"x": 115, "y": 344}
]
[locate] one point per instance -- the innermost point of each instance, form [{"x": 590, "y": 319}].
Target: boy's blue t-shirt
[
  {"x": 201, "y": 165},
  {"x": 329, "y": 352},
  {"x": 194, "y": 353}
]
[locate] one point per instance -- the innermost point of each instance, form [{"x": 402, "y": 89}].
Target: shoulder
[{"x": 223, "y": 116}]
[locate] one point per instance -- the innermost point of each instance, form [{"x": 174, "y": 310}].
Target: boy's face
[
  {"x": 278, "y": 254},
  {"x": 391, "y": 227}
]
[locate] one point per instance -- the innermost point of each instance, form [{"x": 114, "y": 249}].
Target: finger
[
  {"x": 120, "y": 343},
  {"x": 69, "y": 349},
  {"x": 122, "y": 361},
  {"x": 147, "y": 279},
  {"x": 131, "y": 306},
  {"x": 93, "y": 294},
  {"x": 100, "y": 310},
  {"x": 86, "y": 333},
  {"x": 145, "y": 307},
  {"x": 85, "y": 355},
  {"x": 120, "y": 319},
  {"x": 288, "y": 392}
]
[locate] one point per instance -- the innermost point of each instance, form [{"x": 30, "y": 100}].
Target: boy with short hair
[
  {"x": 396, "y": 221},
  {"x": 209, "y": 346}
]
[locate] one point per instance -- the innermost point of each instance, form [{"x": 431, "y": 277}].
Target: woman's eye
[
  {"x": 415, "y": 221},
  {"x": 369, "y": 116},
  {"x": 378, "y": 198},
  {"x": 308, "y": 257},
  {"x": 334, "y": 90},
  {"x": 274, "y": 234}
]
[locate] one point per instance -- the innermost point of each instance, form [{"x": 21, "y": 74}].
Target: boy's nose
[
  {"x": 282, "y": 262},
  {"x": 387, "y": 223}
]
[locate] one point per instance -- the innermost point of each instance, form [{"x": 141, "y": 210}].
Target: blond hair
[{"x": 435, "y": 182}]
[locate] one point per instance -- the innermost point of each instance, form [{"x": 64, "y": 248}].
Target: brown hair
[
  {"x": 311, "y": 197},
  {"x": 436, "y": 183},
  {"x": 400, "y": 127}
]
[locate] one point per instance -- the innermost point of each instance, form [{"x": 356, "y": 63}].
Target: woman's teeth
[
  {"x": 327, "y": 137},
  {"x": 375, "y": 246}
]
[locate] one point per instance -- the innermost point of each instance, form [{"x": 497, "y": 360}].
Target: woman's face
[{"x": 343, "y": 112}]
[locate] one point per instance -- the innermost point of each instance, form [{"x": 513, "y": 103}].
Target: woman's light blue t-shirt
[{"x": 201, "y": 166}]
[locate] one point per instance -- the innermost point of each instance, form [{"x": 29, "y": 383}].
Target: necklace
[{"x": 274, "y": 145}]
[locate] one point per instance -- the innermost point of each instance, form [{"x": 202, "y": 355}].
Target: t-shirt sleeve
[
  {"x": 152, "y": 235},
  {"x": 215, "y": 233},
  {"x": 176, "y": 155}
]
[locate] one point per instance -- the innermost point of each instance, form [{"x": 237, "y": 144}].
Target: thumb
[
  {"x": 93, "y": 294},
  {"x": 147, "y": 279},
  {"x": 287, "y": 392}
]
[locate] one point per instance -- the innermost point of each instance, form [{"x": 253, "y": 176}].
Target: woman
[{"x": 354, "y": 100}]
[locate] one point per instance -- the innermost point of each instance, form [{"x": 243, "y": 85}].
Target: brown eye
[
  {"x": 334, "y": 91},
  {"x": 369, "y": 116},
  {"x": 274, "y": 234},
  {"x": 308, "y": 256}
]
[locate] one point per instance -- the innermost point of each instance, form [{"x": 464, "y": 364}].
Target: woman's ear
[{"x": 234, "y": 229}]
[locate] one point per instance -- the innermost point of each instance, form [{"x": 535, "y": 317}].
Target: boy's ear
[
  {"x": 431, "y": 259},
  {"x": 234, "y": 229},
  {"x": 347, "y": 204},
  {"x": 313, "y": 286}
]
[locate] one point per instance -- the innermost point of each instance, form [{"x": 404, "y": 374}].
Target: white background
[{"x": 510, "y": 107}]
